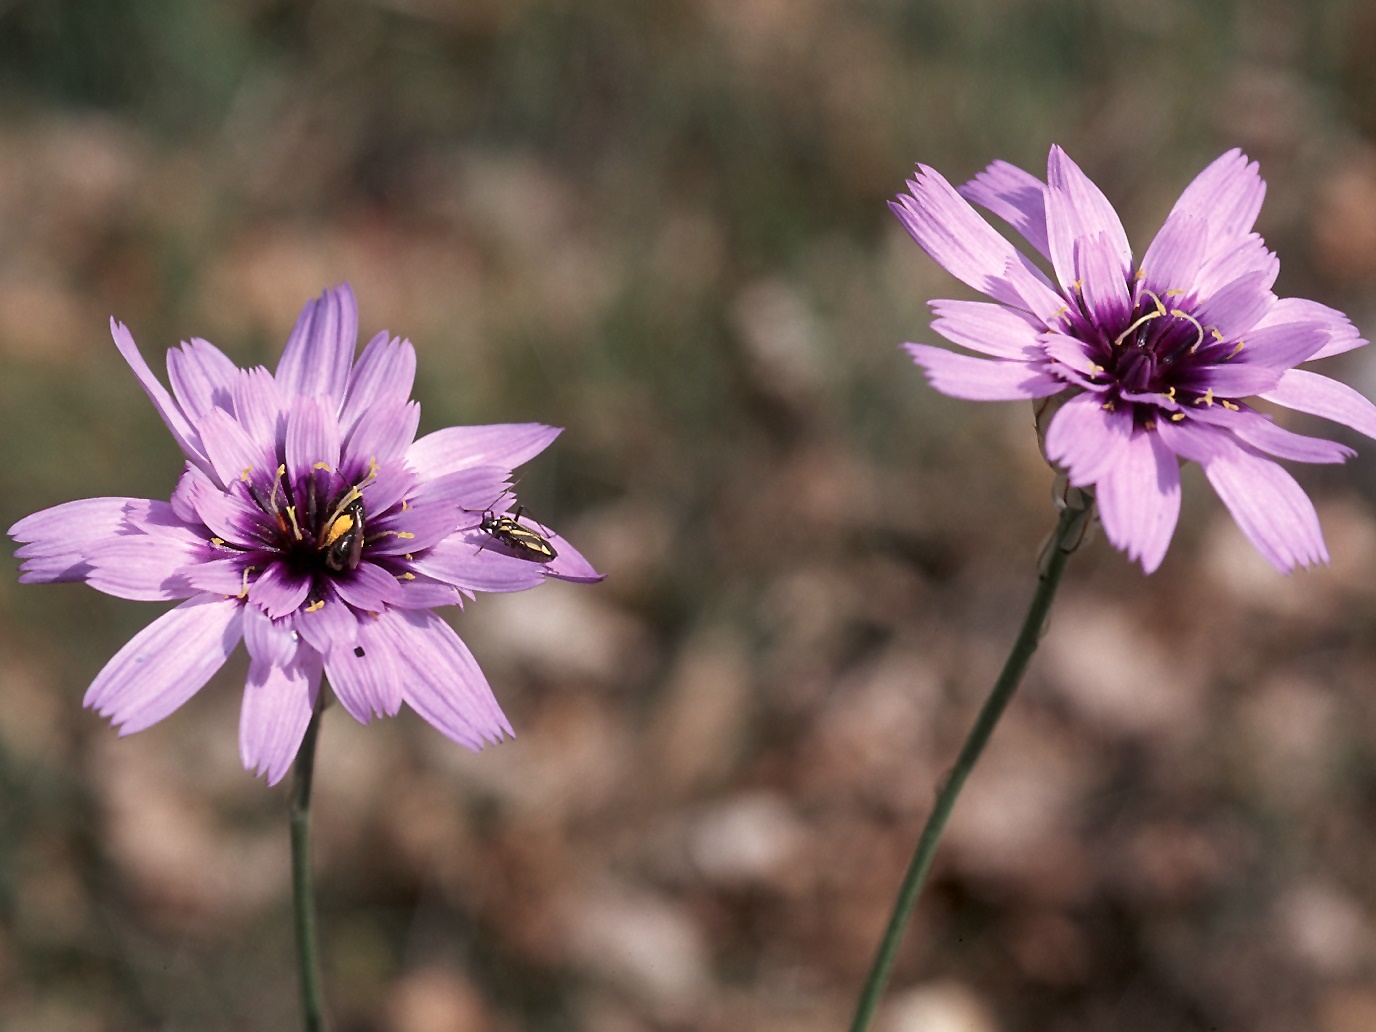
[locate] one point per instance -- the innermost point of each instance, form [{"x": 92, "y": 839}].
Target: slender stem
[
  {"x": 1068, "y": 535},
  {"x": 303, "y": 897}
]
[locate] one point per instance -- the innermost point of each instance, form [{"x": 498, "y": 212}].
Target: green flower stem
[
  {"x": 303, "y": 897},
  {"x": 1069, "y": 533}
]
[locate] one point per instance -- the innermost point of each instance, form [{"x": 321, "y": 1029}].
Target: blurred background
[{"x": 662, "y": 226}]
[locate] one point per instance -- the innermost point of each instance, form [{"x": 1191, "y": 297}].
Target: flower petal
[
  {"x": 1017, "y": 197},
  {"x": 464, "y": 562},
  {"x": 233, "y": 453},
  {"x": 1173, "y": 260},
  {"x": 384, "y": 432},
  {"x": 461, "y": 447},
  {"x": 167, "y": 662},
  {"x": 1270, "y": 508},
  {"x": 260, "y": 408},
  {"x": 58, "y": 540},
  {"x": 978, "y": 379},
  {"x": 278, "y": 590},
  {"x": 1261, "y": 433},
  {"x": 202, "y": 378},
  {"x": 1341, "y": 335},
  {"x": 1309, "y": 392},
  {"x": 276, "y": 710},
  {"x": 947, "y": 228},
  {"x": 368, "y": 588},
  {"x": 320, "y": 350},
  {"x": 441, "y": 680},
  {"x": 385, "y": 373},
  {"x": 148, "y": 567},
  {"x": 1227, "y": 195},
  {"x": 1077, "y": 211},
  {"x": 1086, "y": 439},
  {"x": 987, "y": 328},
  {"x": 182, "y": 431},
  {"x": 330, "y": 626},
  {"x": 312, "y": 436},
  {"x": 1139, "y": 499},
  {"x": 366, "y": 678}
]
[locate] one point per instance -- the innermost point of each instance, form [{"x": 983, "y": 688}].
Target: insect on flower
[{"x": 523, "y": 542}]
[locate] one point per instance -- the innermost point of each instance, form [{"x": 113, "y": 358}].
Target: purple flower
[
  {"x": 312, "y": 524},
  {"x": 1154, "y": 361}
]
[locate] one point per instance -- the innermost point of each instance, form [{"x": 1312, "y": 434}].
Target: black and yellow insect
[
  {"x": 523, "y": 542},
  {"x": 342, "y": 541}
]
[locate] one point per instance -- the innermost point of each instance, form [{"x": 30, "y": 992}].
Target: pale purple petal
[
  {"x": 1341, "y": 336},
  {"x": 1317, "y": 395},
  {"x": 172, "y": 416},
  {"x": 368, "y": 589},
  {"x": 1173, "y": 260},
  {"x": 367, "y": 677},
  {"x": 1264, "y": 435},
  {"x": 312, "y": 436},
  {"x": 1086, "y": 439},
  {"x": 320, "y": 350},
  {"x": 202, "y": 378},
  {"x": 277, "y": 706},
  {"x": 978, "y": 379},
  {"x": 166, "y": 663},
  {"x": 1236, "y": 308},
  {"x": 268, "y": 641},
  {"x": 569, "y": 565},
  {"x": 460, "y": 447},
  {"x": 1269, "y": 507},
  {"x": 1017, "y": 197},
  {"x": 988, "y": 328},
  {"x": 1077, "y": 211},
  {"x": 224, "y": 576},
  {"x": 1227, "y": 195},
  {"x": 278, "y": 590},
  {"x": 1280, "y": 346},
  {"x": 441, "y": 680},
  {"x": 1101, "y": 280},
  {"x": 1139, "y": 499},
  {"x": 947, "y": 228},
  {"x": 59, "y": 539},
  {"x": 148, "y": 567},
  {"x": 384, "y": 432},
  {"x": 1239, "y": 379},
  {"x": 465, "y": 563},
  {"x": 260, "y": 407},
  {"x": 1248, "y": 261},
  {"x": 384, "y": 374},
  {"x": 233, "y": 453},
  {"x": 418, "y": 591},
  {"x": 329, "y": 626}
]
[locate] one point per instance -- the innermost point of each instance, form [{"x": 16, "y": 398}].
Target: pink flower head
[
  {"x": 1156, "y": 360},
  {"x": 311, "y": 523}
]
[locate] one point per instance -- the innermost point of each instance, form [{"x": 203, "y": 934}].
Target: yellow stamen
[
  {"x": 316, "y": 606},
  {"x": 245, "y": 474},
  {"x": 1230, "y": 406},
  {"x": 295, "y": 528},
  {"x": 1177, "y": 417},
  {"x": 243, "y": 589},
  {"x": 1179, "y": 314},
  {"x": 322, "y": 465}
]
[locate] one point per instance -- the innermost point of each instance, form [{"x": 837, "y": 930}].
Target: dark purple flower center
[
  {"x": 1160, "y": 349},
  {"x": 315, "y": 525}
]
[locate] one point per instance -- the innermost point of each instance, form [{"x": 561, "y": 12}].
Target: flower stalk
[
  {"x": 302, "y": 886},
  {"x": 1076, "y": 517}
]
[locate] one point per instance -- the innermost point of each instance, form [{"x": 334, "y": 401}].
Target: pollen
[
  {"x": 316, "y": 606},
  {"x": 1177, "y": 417},
  {"x": 1229, "y": 405}
]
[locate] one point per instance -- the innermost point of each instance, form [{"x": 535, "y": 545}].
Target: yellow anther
[
  {"x": 1107, "y": 406},
  {"x": 1229, "y": 405},
  {"x": 406, "y": 576},
  {"x": 405, "y": 535},
  {"x": 291, "y": 515},
  {"x": 1174, "y": 292},
  {"x": 217, "y": 542},
  {"x": 322, "y": 465},
  {"x": 243, "y": 588},
  {"x": 1170, "y": 393},
  {"x": 1140, "y": 274},
  {"x": 1150, "y": 424},
  {"x": 1213, "y": 331},
  {"x": 1177, "y": 417},
  {"x": 245, "y": 474},
  {"x": 1160, "y": 308},
  {"x": 316, "y": 606},
  {"x": 1237, "y": 349}
]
